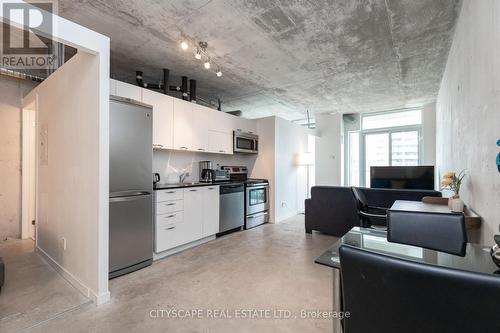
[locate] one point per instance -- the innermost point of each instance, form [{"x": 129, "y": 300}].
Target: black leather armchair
[
  {"x": 412, "y": 297},
  {"x": 440, "y": 232}
]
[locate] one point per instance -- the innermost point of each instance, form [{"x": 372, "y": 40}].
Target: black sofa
[{"x": 332, "y": 209}]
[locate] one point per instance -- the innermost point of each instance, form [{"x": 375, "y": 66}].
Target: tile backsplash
[{"x": 170, "y": 163}]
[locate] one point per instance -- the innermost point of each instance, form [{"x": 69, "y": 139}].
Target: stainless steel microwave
[{"x": 245, "y": 142}]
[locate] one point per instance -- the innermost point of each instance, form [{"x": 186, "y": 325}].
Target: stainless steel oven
[
  {"x": 245, "y": 142},
  {"x": 257, "y": 203}
]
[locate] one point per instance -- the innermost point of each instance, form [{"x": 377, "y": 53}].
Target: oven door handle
[
  {"x": 254, "y": 216},
  {"x": 258, "y": 185}
]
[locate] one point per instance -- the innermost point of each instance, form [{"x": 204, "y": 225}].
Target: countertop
[{"x": 187, "y": 185}]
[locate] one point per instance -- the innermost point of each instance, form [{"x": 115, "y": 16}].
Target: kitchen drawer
[
  {"x": 169, "y": 236},
  {"x": 165, "y": 207},
  {"x": 172, "y": 235},
  {"x": 169, "y": 218},
  {"x": 169, "y": 195}
]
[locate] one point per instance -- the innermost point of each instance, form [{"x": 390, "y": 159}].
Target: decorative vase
[{"x": 456, "y": 204}]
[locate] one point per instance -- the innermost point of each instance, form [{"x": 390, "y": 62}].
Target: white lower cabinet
[
  {"x": 185, "y": 215},
  {"x": 210, "y": 210},
  {"x": 193, "y": 211}
]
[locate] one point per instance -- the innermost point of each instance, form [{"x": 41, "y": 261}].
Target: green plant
[{"x": 453, "y": 181}]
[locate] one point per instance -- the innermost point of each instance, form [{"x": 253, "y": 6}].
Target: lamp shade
[{"x": 304, "y": 159}]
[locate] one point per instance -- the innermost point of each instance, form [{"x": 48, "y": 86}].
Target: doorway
[{"x": 29, "y": 170}]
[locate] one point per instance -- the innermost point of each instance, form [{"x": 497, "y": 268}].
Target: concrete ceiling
[{"x": 281, "y": 57}]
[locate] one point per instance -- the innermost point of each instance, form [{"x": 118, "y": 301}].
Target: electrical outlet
[{"x": 64, "y": 243}]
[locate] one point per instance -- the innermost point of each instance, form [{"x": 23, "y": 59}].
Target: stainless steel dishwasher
[{"x": 232, "y": 207}]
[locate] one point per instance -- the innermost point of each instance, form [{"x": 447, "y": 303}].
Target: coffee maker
[{"x": 207, "y": 172}]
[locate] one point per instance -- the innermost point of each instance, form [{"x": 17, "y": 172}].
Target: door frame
[{"x": 30, "y": 105}]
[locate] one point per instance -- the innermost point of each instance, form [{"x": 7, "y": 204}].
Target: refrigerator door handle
[
  {"x": 128, "y": 194},
  {"x": 127, "y": 198}
]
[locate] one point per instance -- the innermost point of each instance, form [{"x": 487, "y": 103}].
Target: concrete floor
[
  {"x": 33, "y": 290},
  {"x": 269, "y": 267}
]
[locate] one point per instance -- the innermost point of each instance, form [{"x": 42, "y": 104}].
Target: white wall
[
  {"x": 265, "y": 164},
  {"x": 468, "y": 110},
  {"x": 290, "y": 179},
  {"x": 329, "y": 150},
  {"x": 12, "y": 91},
  {"x": 68, "y": 183},
  {"x": 279, "y": 142}
]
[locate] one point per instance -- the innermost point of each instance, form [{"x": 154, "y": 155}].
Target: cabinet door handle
[
  {"x": 183, "y": 147},
  {"x": 170, "y": 204},
  {"x": 201, "y": 149},
  {"x": 211, "y": 188},
  {"x": 222, "y": 151},
  {"x": 193, "y": 190},
  {"x": 169, "y": 216},
  {"x": 171, "y": 192},
  {"x": 170, "y": 228}
]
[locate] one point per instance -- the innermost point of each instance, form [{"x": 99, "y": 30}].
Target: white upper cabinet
[
  {"x": 245, "y": 125},
  {"x": 163, "y": 118},
  {"x": 112, "y": 87},
  {"x": 200, "y": 128},
  {"x": 220, "y": 121},
  {"x": 127, "y": 90},
  {"x": 183, "y": 125},
  {"x": 210, "y": 210},
  {"x": 220, "y": 142}
]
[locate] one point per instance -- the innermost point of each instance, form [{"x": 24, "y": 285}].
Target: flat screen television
[{"x": 402, "y": 177}]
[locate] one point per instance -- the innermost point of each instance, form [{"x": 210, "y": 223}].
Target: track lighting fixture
[
  {"x": 198, "y": 54},
  {"x": 201, "y": 53}
]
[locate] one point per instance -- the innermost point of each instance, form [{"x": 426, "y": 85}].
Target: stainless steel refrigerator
[{"x": 130, "y": 186}]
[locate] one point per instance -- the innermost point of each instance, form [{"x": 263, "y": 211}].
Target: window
[{"x": 390, "y": 138}]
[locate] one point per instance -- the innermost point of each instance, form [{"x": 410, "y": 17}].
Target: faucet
[{"x": 182, "y": 176}]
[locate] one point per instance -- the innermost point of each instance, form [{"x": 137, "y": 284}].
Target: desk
[
  {"x": 477, "y": 258},
  {"x": 472, "y": 220}
]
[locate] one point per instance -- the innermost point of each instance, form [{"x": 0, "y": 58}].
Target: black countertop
[
  {"x": 477, "y": 258},
  {"x": 157, "y": 187}
]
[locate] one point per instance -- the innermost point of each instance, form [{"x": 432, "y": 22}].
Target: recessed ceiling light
[
  {"x": 184, "y": 46},
  {"x": 207, "y": 64},
  {"x": 219, "y": 73}
]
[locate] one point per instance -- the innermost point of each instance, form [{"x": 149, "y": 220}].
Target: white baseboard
[
  {"x": 164, "y": 254},
  {"x": 98, "y": 299},
  {"x": 286, "y": 217}
]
